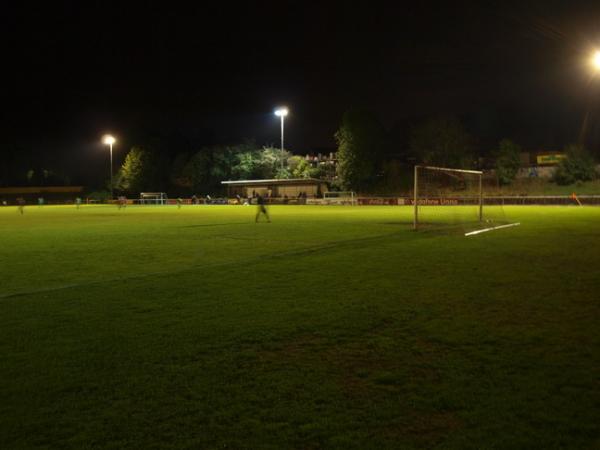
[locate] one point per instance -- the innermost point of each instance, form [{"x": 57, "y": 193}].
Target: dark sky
[{"x": 72, "y": 71}]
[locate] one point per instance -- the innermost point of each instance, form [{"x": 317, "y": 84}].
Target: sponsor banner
[
  {"x": 374, "y": 201},
  {"x": 551, "y": 159},
  {"x": 440, "y": 201},
  {"x": 312, "y": 201}
]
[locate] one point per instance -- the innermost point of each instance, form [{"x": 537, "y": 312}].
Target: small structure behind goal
[
  {"x": 441, "y": 186},
  {"x": 339, "y": 198},
  {"x": 153, "y": 198}
]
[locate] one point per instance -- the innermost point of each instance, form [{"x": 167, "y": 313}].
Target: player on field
[
  {"x": 261, "y": 208},
  {"x": 21, "y": 204}
]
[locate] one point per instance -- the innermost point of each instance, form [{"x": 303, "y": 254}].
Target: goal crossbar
[{"x": 446, "y": 169}]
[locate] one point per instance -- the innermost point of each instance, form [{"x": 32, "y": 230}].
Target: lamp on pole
[
  {"x": 594, "y": 67},
  {"x": 110, "y": 140},
  {"x": 596, "y": 60},
  {"x": 281, "y": 112}
]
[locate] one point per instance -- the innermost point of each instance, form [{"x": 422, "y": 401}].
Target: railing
[{"x": 586, "y": 200}]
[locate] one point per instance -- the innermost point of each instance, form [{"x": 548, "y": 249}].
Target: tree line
[
  {"x": 367, "y": 153},
  {"x": 147, "y": 169},
  {"x": 370, "y": 159}
]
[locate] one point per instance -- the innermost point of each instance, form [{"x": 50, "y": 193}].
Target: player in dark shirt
[
  {"x": 261, "y": 208},
  {"x": 21, "y": 204}
]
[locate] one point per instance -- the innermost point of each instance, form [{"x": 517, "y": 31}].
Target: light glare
[
  {"x": 596, "y": 60},
  {"x": 108, "y": 139},
  {"x": 281, "y": 112}
]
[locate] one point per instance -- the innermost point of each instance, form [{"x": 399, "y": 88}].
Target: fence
[{"x": 557, "y": 200}]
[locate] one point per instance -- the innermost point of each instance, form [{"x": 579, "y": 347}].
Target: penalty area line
[{"x": 472, "y": 233}]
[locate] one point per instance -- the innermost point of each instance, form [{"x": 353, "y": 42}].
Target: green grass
[{"x": 332, "y": 327}]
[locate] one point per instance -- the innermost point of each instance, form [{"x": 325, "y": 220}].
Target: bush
[
  {"x": 507, "y": 161},
  {"x": 577, "y": 166},
  {"x": 99, "y": 196}
]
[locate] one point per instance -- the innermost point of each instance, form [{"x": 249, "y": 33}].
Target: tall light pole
[
  {"x": 282, "y": 112},
  {"x": 594, "y": 64},
  {"x": 110, "y": 140}
]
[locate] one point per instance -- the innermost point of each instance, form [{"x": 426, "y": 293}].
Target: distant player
[
  {"x": 122, "y": 202},
  {"x": 21, "y": 204},
  {"x": 78, "y": 202},
  {"x": 179, "y": 202},
  {"x": 261, "y": 208},
  {"x": 40, "y": 201}
]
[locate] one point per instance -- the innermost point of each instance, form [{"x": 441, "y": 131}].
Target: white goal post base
[{"x": 473, "y": 233}]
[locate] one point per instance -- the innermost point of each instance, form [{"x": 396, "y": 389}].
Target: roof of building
[
  {"x": 274, "y": 181},
  {"x": 41, "y": 189}
]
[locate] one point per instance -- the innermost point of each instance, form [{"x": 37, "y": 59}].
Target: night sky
[{"x": 213, "y": 74}]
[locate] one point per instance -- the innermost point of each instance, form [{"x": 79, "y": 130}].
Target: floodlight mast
[
  {"x": 416, "y": 197},
  {"x": 110, "y": 140},
  {"x": 282, "y": 112}
]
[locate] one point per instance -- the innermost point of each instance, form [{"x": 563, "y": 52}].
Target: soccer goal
[
  {"x": 153, "y": 198},
  {"x": 445, "y": 196},
  {"x": 340, "y": 198}
]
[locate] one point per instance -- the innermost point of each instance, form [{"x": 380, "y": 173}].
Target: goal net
[
  {"x": 339, "y": 198},
  {"x": 452, "y": 198},
  {"x": 153, "y": 198}
]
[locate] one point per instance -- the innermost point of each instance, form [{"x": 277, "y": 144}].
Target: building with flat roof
[{"x": 291, "y": 187}]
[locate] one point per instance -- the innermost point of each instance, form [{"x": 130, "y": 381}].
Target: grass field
[{"x": 331, "y": 327}]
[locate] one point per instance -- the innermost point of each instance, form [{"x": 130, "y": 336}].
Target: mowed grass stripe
[{"x": 303, "y": 250}]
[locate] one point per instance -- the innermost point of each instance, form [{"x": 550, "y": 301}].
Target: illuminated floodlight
[
  {"x": 596, "y": 60},
  {"x": 108, "y": 139},
  {"x": 281, "y": 112}
]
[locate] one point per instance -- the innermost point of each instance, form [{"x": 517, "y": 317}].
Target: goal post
[
  {"x": 153, "y": 198},
  {"x": 447, "y": 185},
  {"x": 340, "y": 197}
]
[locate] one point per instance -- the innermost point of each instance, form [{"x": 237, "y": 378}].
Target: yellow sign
[{"x": 553, "y": 158}]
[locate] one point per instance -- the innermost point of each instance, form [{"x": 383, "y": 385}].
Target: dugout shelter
[{"x": 279, "y": 188}]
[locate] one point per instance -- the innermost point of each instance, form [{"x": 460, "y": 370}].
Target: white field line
[{"x": 472, "y": 233}]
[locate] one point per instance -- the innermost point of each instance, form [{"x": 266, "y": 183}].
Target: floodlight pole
[
  {"x": 480, "y": 198},
  {"x": 111, "y": 173},
  {"x": 282, "y": 151},
  {"x": 282, "y": 112},
  {"x": 416, "y": 195}
]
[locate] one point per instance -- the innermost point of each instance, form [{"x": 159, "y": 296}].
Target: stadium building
[{"x": 291, "y": 188}]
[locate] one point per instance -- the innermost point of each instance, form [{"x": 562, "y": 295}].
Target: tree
[
  {"x": 508, "y": 161},
  {"x": 177, "y": 174},
  {"x": 197, "y": 170},
  {"x": 246, "y": 165},
  {"x": 270, "y": 163},
  {"x": 577, "y": 166},
  {"x": 208, "y": 167},
  {"x": 142, "y": 170},
  {"x": 361, "y": 144},
  {"x": 299, "y": 167},
  {"x": 442, "y": 142}
]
